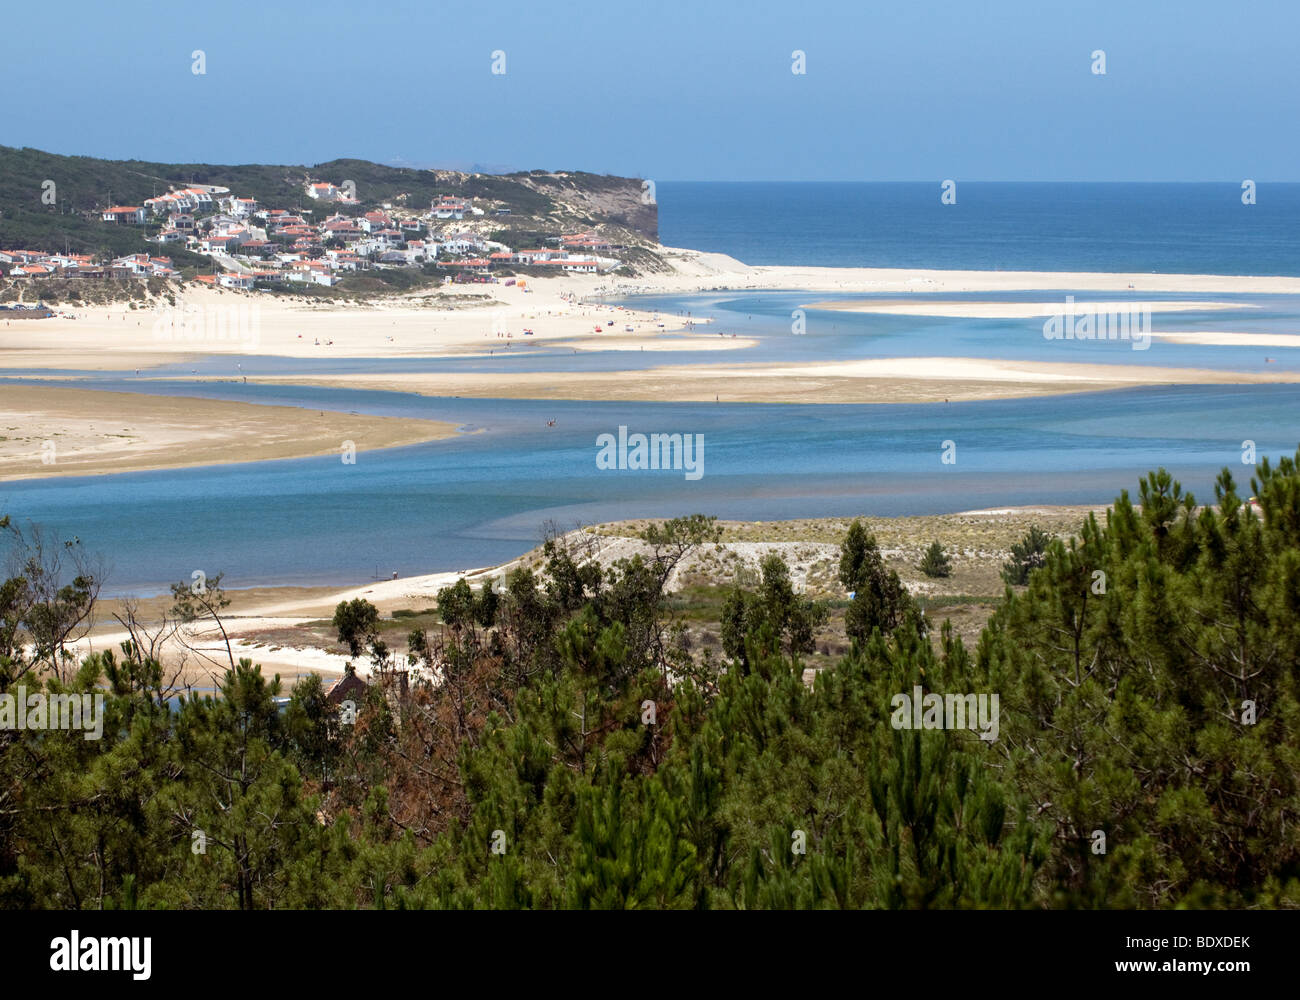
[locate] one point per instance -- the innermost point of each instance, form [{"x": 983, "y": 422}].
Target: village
[{"x": 252, "y": 246}]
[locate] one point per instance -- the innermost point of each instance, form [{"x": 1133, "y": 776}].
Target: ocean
[{"x": 1171, "y": 228}]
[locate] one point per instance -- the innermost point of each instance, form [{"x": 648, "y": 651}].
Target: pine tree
[
  {"x": 1026, "y": 556},
  {"x": 880, "y": 601},
  {"x": 935, "y": 562}
]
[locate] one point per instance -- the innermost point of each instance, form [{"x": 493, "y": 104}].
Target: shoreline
[
  {"x": 559, "y": 314},
  {"x": 54, "y": 432},
  {"x": 287, "y": 629}
]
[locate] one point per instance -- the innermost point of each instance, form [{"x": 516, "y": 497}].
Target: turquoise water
[
  {"x": 834, "y": 334},
  {"x": 480, "y": 498}
]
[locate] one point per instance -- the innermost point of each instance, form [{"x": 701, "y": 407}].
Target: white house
[
  {"x": 199, "y": 197},
  {"x": 132, "y": 215},
  {"x": 240, "y": 208},
  {"x": 328, "y": 192},
  {"x": 538, "y": 256},
  {"x": 242, "y": 282},
  {"x": 448, "y": 207}
]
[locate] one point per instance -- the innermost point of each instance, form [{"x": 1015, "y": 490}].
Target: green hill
[{"x": 538, "y": 201}]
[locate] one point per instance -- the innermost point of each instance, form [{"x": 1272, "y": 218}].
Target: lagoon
[{"x": 481, "y": 498}]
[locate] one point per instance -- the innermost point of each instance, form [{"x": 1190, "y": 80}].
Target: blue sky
[{"x": 701, "y": 90}]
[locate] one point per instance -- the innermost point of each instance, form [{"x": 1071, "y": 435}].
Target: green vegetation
[
  {"x": 1026, "y": 555},
  {"x": 935, "y": 562},
  {"x": 575, "y": 754},
  {"x": 358, "y": 624},
  {"x": 880, "y": 601},
  {"x": 774, "y": 617}
]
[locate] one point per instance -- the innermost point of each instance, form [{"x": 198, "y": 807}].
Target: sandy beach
[
  {"x": 471, "y": 320},
  {"x": 703, "y": 271},
  {"x": 464, "y": 320},
  {"x": 55, "y": 431},
  {"x": 285, "y": 630},
  {"x": 874, "y": 380}
]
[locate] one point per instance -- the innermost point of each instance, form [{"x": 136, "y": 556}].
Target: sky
[{"x": 1194, "y": 90}]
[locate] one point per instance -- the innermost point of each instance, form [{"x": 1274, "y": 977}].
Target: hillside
[{"x": 539, "y": 202}]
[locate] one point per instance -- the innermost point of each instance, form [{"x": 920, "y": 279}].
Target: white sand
[
  {"x": 1222, "y": 338},
  {"x": 1018, "y": 310},
  {"x": 476, "y": 319}
]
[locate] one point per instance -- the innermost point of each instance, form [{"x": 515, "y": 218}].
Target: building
[
  {"x": 239, "y": 282},
  {"x": 240, "y": 208},
  {"x": 586, "y": 241},
  {"x": 132, "y": 215},
  {"x": 538, "y": 256},
  {"x": 328, "y": 192},
  {"x": 349, "y": 687},
  {"x": 257, "y": 248},
  {"x": 449, "y": 207},
  {"x": 373, "y": 221},
  {"x": 476, "y": 265}
]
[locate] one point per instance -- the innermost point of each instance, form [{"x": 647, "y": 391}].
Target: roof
[{"x": 346, "y": 685}]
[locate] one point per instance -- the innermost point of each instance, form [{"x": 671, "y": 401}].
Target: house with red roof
[
  {"x": 328, "y": 192},
  {"x": 449, "y": 207},
  {"x": 132, "y": 215}
]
